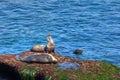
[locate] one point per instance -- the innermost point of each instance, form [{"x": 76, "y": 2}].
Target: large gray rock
[
  {"x": 39, "y": 58},
  {"x": 68, "y": 65}
]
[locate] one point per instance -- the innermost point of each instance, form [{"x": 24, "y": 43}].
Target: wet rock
[
  {"x": 39, "y": 58},
  {"x": 78, "y": 51},
  {"x": 68, "y": 65}
]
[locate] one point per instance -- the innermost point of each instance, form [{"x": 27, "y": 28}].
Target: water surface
[{"x": 91, "y": 25}]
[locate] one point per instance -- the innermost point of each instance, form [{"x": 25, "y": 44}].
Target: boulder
[{"x": 68, "y": 65}]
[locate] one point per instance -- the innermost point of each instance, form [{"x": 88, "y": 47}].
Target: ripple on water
[{"x": 89, "y": 25}]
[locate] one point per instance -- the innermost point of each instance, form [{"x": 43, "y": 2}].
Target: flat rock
[{"x": 68, "y": 65}]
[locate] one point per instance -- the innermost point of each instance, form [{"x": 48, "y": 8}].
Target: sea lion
[
  {"x": 78, "y": 51},
  {"x": 38, "y": 48},
  {"x": 39, "y": 58},
  {"x": 49, "y": 48}
]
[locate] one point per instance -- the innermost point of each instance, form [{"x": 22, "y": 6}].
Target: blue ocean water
[{"x": 91, "y": 25}]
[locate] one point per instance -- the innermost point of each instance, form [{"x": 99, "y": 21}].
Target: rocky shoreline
[{"x": 50, "y": 68}]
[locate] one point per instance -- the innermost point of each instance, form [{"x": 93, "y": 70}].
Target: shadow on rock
[
  {"x": 40, "y": 76},
  {"x": 9, "y": 72}
]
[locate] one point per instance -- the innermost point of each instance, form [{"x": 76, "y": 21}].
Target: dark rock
[
  {"x": 40, "y": 76},
  {"x": 78, "y": 51},
  {"x": 9, "y": 72},
  {"x": 68, "y": 65}
]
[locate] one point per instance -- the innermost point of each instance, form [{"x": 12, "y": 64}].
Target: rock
[
  {"x": 9, "y": 72},
  {"x": 68, "y": 65},
  {"x": 78, "y": 51},
  {"x": 39, "y": 58}
]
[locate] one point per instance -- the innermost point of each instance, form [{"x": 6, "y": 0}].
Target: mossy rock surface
[{"x": 89, "y": 70}]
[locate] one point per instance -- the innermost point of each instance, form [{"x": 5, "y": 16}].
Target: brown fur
[
  {"x": 38, "y": 48},
  {"x": 49, "y": 48}
]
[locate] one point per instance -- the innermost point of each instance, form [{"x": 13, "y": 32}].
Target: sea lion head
[
  {"x": 53, "y": 58},
  {"x": 50, "y": 40}
]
